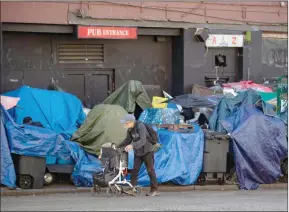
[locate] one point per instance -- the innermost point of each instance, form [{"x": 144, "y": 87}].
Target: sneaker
[{"x": 153, "y": 194}]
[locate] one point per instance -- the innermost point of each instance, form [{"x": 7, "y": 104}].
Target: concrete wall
[
  {"x": 274, "y": 57},
  {"x": 255, "y": 61},
  {"x": 174, "y": 65},
  {"x": 226, "y": 12},
  {"x": 28, "y": 59},
  {"x": 198, "y": 61},
  {"x": 252, "y": 56}
]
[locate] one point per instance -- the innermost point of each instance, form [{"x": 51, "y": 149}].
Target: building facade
[{"x": 92, "y": 48}]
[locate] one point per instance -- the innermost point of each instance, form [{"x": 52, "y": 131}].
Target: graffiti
[{"x": 277, "y": 58}]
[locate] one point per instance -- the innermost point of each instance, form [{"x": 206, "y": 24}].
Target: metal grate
[{"x": 80, "y": 53}]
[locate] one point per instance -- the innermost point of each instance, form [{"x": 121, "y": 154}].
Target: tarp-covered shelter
[
  {"x": 59, "y": 111},
  {"x": 42, "y": 142},
  {"x": 8, "y": 176},
  {"x": 129, "y": 96},
  {"x": 102, "y": 125},
  {"x": 179, "y": 160},
  {"x": 227, "y": 106},
  {"x": 259, "y": 145}
]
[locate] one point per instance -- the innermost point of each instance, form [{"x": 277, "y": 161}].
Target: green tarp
[
  {"x": 129, "y": 95},
  {"x": 267, "y": 96},
  {"x": 102, "y": 125}
]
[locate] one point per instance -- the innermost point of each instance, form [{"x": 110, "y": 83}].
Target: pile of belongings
[
  {"x": 60, "y": 114},
  {"x": 258, "y": 137},
  {"x": 250, "y": 116},
  {"x": 103, "y": 124},
  {"x": 68, "y": 134},
  {"x": 245, "y": 85},
  {"x": 194, "y": 108},
  {"x": 55, "y": 125},
  {"x": 184, "y": 162}
]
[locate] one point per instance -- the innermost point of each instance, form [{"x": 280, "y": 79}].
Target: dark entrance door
[
  {"x": 91, "y": 86},
  {"x": 98, "y": 86}
]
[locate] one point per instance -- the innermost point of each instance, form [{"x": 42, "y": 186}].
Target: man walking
[{"x": 136, "y": 139}]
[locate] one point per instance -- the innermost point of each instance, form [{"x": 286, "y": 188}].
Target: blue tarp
[
  {"x": 179, "y": 159},
  {"x": 8, "y": 176},
  {"x": 160, "y": 116},
  {"x": 59, "y": 111},
  {"x": 50, "y": 141},
  {"x": 227, "y": 106},
  {"x": 259, "y": 144}
]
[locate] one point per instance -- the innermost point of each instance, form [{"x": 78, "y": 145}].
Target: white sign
[{"x": 225, "y": 41}]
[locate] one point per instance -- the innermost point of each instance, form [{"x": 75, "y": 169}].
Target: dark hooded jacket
[{"x": 137, "y": 137}]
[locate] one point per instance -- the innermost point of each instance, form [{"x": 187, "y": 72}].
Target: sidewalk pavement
[{"x": 54, "y": 189}]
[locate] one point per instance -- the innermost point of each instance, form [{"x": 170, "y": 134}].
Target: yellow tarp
[{"x": 157, "y": 102}]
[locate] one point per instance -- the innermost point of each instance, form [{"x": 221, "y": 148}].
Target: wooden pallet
[{"x": 177, "y": 127}]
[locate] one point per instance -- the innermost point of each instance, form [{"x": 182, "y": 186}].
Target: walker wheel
[
  {"x": 120, "y": 191},
  {"x": 137, "y": 191},
  {"x": 95, "y": 190},
  {"x": 111, "y": 192}
]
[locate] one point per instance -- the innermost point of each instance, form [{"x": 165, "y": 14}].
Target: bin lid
[{"x": 209, "y": 134}]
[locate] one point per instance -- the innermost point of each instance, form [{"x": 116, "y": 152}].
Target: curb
[{"x": 34, "y": 192}]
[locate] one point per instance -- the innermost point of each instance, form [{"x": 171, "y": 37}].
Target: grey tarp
[
  {"x": 128, "y": 95},
  {"x": 102, "y": 125},
  {"x": 191, "y": 100}
]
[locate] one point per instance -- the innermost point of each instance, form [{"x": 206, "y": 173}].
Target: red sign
[{"x": 106, "y": 32}]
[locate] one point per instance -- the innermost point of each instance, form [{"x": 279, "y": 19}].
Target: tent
[
  {"x": 129, "y": 96},
  {"x": 102, "y": 125}
]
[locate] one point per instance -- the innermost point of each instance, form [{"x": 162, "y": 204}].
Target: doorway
[{"x": 90, "y": 86}]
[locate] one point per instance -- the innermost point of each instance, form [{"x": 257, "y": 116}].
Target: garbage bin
[
  {"x": 216, "y": 150},
  {"x": 30, "y": 171}
]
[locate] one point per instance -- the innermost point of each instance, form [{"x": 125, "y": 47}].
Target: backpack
[{"x": 152, "y": 134}]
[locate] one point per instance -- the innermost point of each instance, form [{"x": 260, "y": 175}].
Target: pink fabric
[
  {"x": 243, "y": 85},
  {"x": 9, "y": 102}
]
